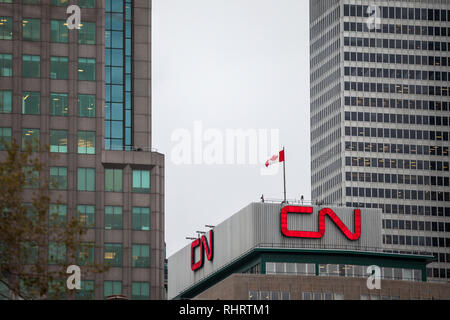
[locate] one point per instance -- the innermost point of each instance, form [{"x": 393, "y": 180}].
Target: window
[
  {"x": 31, "y": 178},
  {"x": 86, "y": 3},
  {"x": 141, "y": 218},
  {"x": 5, "y": 138},
  {"x": 113, "y": 217},
  {"x": 86, "y": 106},
  {"x": 59, "y": 2},
  {"x": 58, "y": 214},
  {"x": 58, "y": 178},
  {"x": 113, "y": 180},
  {"x": 31, "y": 1},
  {"x": 86, "y": 69},
  {"x": 31, "y": 29},
  {"x": 87, "y": 290},
  {"x": 112, "y": 288},
  {"x": 141, "y": 181},
  {"x": 113, "y": 254},
  {"x": 86, "y": 179},
  {"x": 141, "y": 256},
  {"x": 307, "y": 296},
  {"x": 58, "y": 141},
  {"x": 5, "y": 101},
  {"x": 86, "y": 142},
  {"x": 59, "y": 105},
  {"x": 5, "y": 28},
  {"x": 59, "y": 68},
  {"x": 86, "y": 215},
  {"x": 85, "y": 254},
  {"x": 29, "y": 253},
  {"x": 56, "y": 253},
  {"x": 59, "y": 31},
  {"x": 31, "y": 137},
  {"x": 86, "y": 34},
  {"x": 31, "y": 102},
  {"x": 31, "y": 66},
  {"x": 5, "y": 65},
  {"x": 140, "y": 291}
]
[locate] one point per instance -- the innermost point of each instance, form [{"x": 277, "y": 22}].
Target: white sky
[{"x": 231, "y": 64}]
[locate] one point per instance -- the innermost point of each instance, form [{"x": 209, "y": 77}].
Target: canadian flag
[{"x": 276, "y": 159}]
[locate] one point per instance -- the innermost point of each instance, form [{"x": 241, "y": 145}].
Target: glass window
[
  {"x": 31, "y": 29},
  {"x": 86, "y": 179},
  {"x": 87, "y": 290},
  {"x": 58, "y": 214},
  {"x": 5, "y": 101},
  {"x": 141, "y": 181},
  {"x": 29, "y": 253},
  {"x": 31, "y": 66},
  {"x": 59, "y": 104},
  {"x": 141, "y": 256},
  {"x": 59, "y": 68},
  {"x": 59, "y": 31},
  {"x": 113, "y": 218},
  {"x": 58, "y": 141},
  {"x": 86, "y": 34},
  {"x": 86, "y": 106},
  {"x": 307, "y": 295},
  {"x": 112, "y": 288},
  {"x": 56, "y": 253},
  {"x": 31, "y": 102},
  {"x": 5, "y": 138},
  {"x": 31, "y": 178},
  {"x": 59, "y": 2},
  {"x": 140, "y": 291},
  {"x": 5, "y": 65},
  {"x": 86, "y": 142},
  {"x": 31, "y": 1},
  {"x": 31, "y": 137},
  {"x": 5, "y": 28},
  {"x": 58, "y": 178},
  {"x": 86, "y": 69},
  {"x": 113, "y": 254},
  {"x": 113, "y": 180},
  {"x": 85, "y": 254},
  {"x": 141, "y": 218},
  {"x": 86, "y": 215},
  {"x": 86, "y": 3}
]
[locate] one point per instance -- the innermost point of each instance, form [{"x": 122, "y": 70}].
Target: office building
[
  {"x": 87, "y": 94},
  {"x": 380, "y": 118}
]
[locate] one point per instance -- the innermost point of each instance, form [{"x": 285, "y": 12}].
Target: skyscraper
[
  {"x": 87, "y": 94},
  {"x": 380, "y": 99}
]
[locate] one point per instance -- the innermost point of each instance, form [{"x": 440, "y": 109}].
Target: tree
[{"x": 37, "y": 242}]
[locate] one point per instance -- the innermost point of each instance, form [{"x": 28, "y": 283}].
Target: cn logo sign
[
  {"x": 322, "y": 213},
  {"x": 204, "y": 247}
]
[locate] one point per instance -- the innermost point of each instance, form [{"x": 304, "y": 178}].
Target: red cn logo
[
  {"x": 203, "y": 244},
  {"x": 317, "y": 235}
]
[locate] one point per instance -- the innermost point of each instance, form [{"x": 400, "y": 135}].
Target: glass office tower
[
  {"x": 380, "y": 117},
  {"x": 87, "y": 94}
]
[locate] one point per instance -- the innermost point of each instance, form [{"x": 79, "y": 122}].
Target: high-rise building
[
  {"x": 87, "y": 94},
  {"x": 380, "y": 100}
]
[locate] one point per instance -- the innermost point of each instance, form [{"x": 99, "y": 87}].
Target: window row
[
  {"x": 391, "y": 58},
  {"x": 396, "y": 88},
  {"x": 81, "y": 3},
  {"x": 400, "y": 194},
  {"x": 396, "y": 179},
  {"x": 269, "y": 295},
  {"x": 397, "y": 44},
  {"x": 404, "y": 209},
  {"x": 322, "y": 296},
  {"x": 139, "y": 290},
  {"x": 416, "y": 241},
  {"x": 397, "y": 118},
  {"x": 59, "y": 32},
  {"x": 396, "y": 133},
  {"x": 397, "y": 164},
  {"x": 396, "y": 103},
  {"x": 396, "y": 148},
  {"x": 59, "y": 67},
  {"x": 416, "y": 225},
  {"x": 398, "y": 29},
  {"x": 59, "y": 104},
  {"x": 425, "y": 14},
  {"x": 438, "y": 273},
  {"x": 397, "y": 74}
]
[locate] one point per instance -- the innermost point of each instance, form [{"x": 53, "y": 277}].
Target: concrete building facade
[
  {"x": 87, "y": 94},
  {"x": 380, "y": 117}
]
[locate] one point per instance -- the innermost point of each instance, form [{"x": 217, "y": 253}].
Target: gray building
[
  {"x": 87, "y": 94},
  {"x": 380, "y": 117}
]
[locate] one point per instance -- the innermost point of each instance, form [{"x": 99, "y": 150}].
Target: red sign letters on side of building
[
  {"x": 203, "y": 244},
  {"x": 322, "y": 213}
]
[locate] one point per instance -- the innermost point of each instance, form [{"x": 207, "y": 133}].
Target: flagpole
[{"x": 284, "y": 175}]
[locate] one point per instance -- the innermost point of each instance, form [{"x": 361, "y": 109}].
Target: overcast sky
[{"x": 229, "y": 64}]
